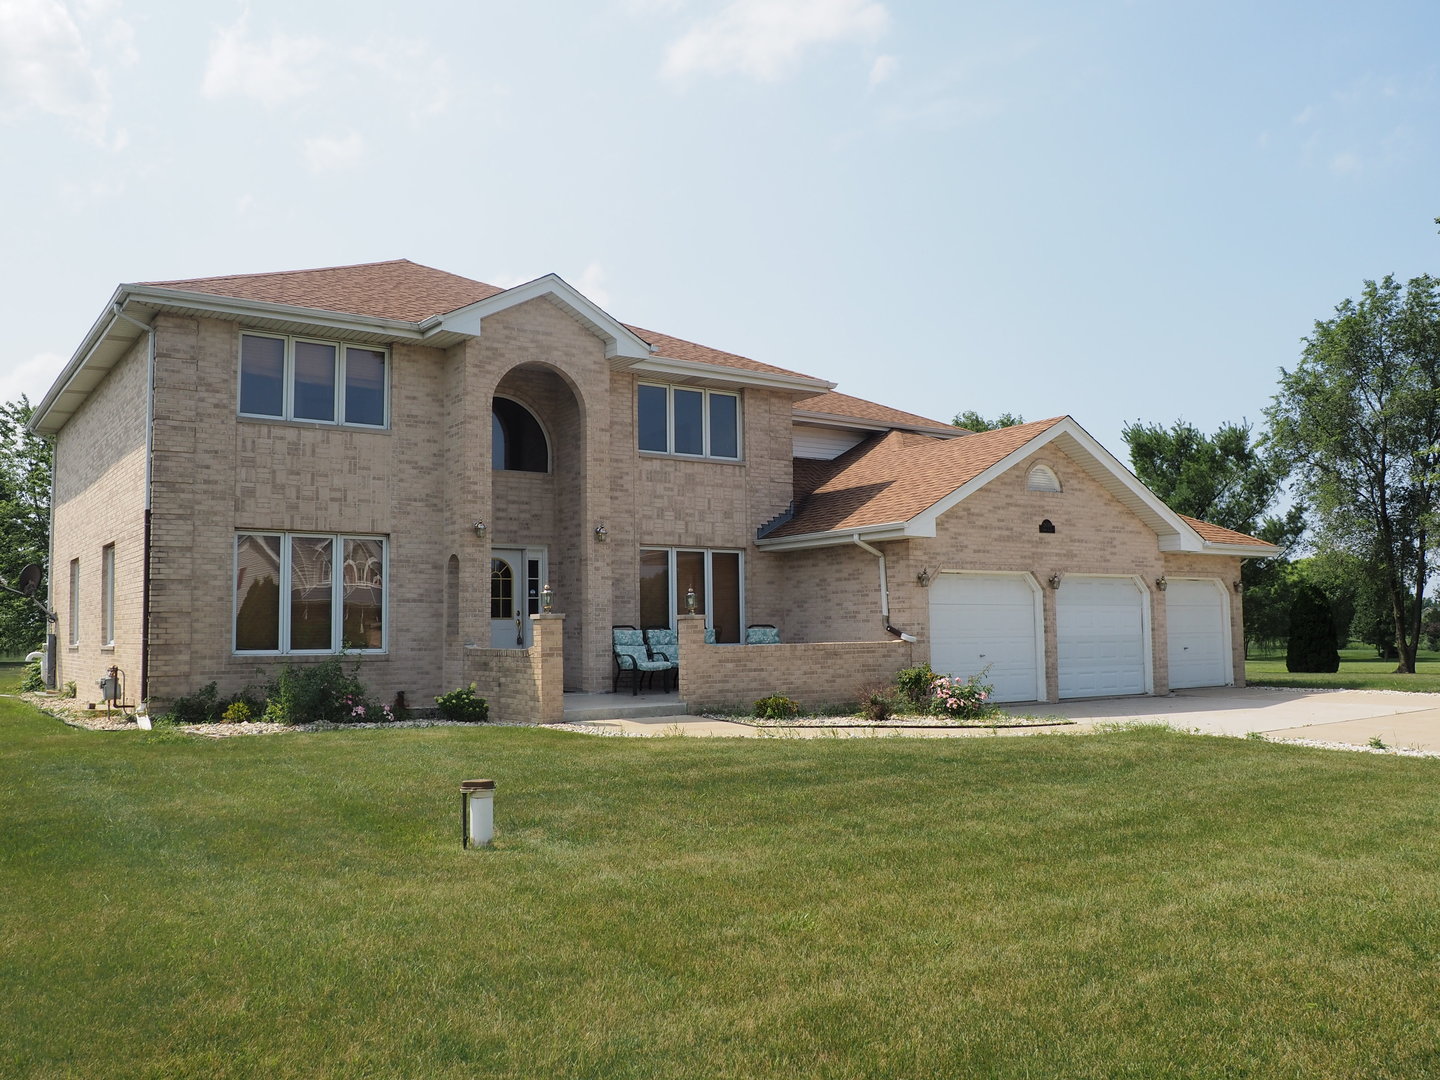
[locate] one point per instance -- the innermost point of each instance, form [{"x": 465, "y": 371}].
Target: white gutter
[{"x": 884, "y": 586}]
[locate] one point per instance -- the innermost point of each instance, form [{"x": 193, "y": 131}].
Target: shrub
[
  {"x": 877, "y": 704},
  {"x": 963, "y": 699},
  {"x": 776, "y": 707},
  {"x": 1312, "y": 632},
  {"x": 323, "y": 693},
  {"x": 69, "y": 690},
  {"x": 201, "y": 707},
  {"x": 238, "y": 712},
  {"x": 463, "y": 705},
  {"x": 915, "y": 684},
  {"x": 33, "y": 679}
]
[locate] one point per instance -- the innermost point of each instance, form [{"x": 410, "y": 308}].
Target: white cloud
[
  {"x": 328, "y": 153},
  {"x": 765, "y": 39},
  {"x": 1346, "y": 163},
  {"x": 285, "y": 68},
  {"x": 31, "y": 377},
  {"x": 46, "y": 63},
  {"x": 882, "y": 69}
]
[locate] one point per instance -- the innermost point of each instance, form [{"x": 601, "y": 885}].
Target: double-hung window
[
  {"x": 303, "y": 593},
  {"x": 291, "y": 378},
  {"x": 688, "y": 421}
]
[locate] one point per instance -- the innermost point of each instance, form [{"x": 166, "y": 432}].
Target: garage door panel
[
  {"x": 1196, "y": 633},
  {"x": 979, "y": 622},
  {"x": 1100, "y": 637}
]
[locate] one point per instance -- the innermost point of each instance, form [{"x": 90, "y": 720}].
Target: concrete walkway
[{"x": 1409, "y": 721}]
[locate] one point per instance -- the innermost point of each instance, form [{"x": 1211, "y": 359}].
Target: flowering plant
[{"x": 965, "y": 699}]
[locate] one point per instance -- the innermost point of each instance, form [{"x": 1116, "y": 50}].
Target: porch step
[{"x": 621, "y": 706}]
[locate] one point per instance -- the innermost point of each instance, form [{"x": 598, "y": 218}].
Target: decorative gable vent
[{"x": 1042, "y": 478}]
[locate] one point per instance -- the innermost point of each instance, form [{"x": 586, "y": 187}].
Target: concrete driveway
[{"x": 1410, "y": 721}]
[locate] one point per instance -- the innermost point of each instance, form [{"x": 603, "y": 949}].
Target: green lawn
[
  {"x": 1141, "y": 904},
  {"x": 1359, "y": 670}
]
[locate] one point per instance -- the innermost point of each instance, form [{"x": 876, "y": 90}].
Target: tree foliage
[
  {"x": 1226, "y": 479},
  {"x": 1359, "y": 420},
  {"x": 973, "y": 421},
  {"x": 24, "y": 523},
  {"x": 1312, "y": 632}
]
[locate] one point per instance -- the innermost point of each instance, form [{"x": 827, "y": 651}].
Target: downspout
[
  {"x": 149, "y": 455},
  {"x": 884, "y": 588}
]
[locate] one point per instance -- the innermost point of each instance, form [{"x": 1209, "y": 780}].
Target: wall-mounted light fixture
[
  {"x": 1161, "y": 583},
  {"x": 601, "y": 533},
  {"x": 923, "y": 579},
  {"x": 547, "y": 598},
  {"x": 1238, "y": 585},
  {"x": 690, "y": 600},
  {"x": 480, "y": 528},
  {"x": 1055, "y": 580}
]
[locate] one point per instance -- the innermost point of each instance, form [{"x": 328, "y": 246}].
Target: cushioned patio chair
[
  {"x": 762, "y": 634},
  {"x": 633, "y": 658}
]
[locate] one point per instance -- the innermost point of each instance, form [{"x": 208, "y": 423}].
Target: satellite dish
[{"x": 29, "y": 579}]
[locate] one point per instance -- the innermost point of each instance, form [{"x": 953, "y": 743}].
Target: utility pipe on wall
[{"x": 884, "y": 587}]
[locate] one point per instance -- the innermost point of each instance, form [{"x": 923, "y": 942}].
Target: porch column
[{"x": 547, "y": 655}]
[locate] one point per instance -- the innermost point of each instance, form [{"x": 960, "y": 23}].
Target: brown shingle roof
[
  {"x": 835, "y": 404},
  {"x": 401, "y": 289},
  {"x": 1218, "y": 534},
  {"x": 398, "y": 289},
  {"x": 895, "y": 476}
]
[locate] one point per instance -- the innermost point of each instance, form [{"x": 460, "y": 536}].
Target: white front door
[
  {"x": 516, "y": 578},
  {"x": 989, "y": 623},
  {"x": 1100, "y": 636},
  {"x": 1198, "y": 633}
]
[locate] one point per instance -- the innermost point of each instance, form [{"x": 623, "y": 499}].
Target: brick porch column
[{"x": 547, "y": 654}]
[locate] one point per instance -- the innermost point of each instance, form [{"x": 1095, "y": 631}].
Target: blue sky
[{"x": 1113, "y": 210}]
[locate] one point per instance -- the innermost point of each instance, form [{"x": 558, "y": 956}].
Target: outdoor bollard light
[
  {"x": 477, "y": 812},
  {"x": 547, "y": 598},
  {"x": 690, "y": 600}
]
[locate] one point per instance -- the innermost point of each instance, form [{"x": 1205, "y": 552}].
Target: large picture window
[
  {"x": 287, "y": 378},
  {"x": 309, "y": 593},
  {"x": 667, "y": 576},
  {"x": 686, "y": 421}
]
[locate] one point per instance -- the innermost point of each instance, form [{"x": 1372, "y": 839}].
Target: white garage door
[
  {"x": 980, "y": 621},
  {"x": 1100, "y": 636},
  {"x": 1195, "y": 629}
]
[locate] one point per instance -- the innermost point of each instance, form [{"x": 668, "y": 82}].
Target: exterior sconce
[
  {"x": 480, "y": 528},
  {"x": 477, "y": 812},
  {"x": 1160, "y": 583},
  {"x": 690, "y": 600},
  {"x": 1238, "y": 585},
  {"x": 547, "y": 598},
  {"x": 601, "y": 533},
  {"x": 923, "y": 578},
  {"x": 1055, "y": 580}
]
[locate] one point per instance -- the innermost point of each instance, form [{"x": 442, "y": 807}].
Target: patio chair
[
  {"x": 633, "y": 658},
  {"x": 762, "y": 634}
]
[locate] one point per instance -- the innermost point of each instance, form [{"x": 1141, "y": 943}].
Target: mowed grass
[
  {"x": 1139, "y": 904},
  {"x": 1359, "y": 670}
]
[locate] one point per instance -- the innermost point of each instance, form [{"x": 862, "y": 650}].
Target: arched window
[
  {"x": 1042, "y": 478},
  {"x": 517, "y": 442}
]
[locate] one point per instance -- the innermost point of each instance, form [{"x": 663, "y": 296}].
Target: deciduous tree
[
  {"x": 24, "y": 523},
  {"x": 975, "y": 422}
]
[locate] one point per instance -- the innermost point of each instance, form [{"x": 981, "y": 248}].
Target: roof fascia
[
  {"x": 835, "y": 420},
  {"x": 1245, "y": 551},
  {"x": 98, "y": 332},
  {"x": 895, "y": 530},
  {"x": 693, "y": 369},
  {"x": 227, "y": 305},
  {"x": 619, "y": 341}
]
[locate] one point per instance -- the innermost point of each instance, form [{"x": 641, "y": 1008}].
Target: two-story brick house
[{"x": 395, "y": 461}]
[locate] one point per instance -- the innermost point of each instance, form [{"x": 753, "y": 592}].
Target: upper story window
[
  {"x": 288, "y": 378},
  {"x": 517, "y": 441},
  {"x": 692, "y": 422}
]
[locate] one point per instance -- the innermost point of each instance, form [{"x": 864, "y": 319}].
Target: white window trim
[
  {"x": 107, "y": 596},
  {"x": 677, "y": 598},
  {"x": 287, "y": 389},
  {"x": 337, "y": 593},
  {"x": 706, "y": 394}
]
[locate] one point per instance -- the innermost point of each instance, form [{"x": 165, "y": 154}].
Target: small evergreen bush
[
  {"x": 238, "y": 712},
  {"x": 34, "y": 679},
  {"x": 1312, "y": 632},
  {"x": 776, "y": 707},
  {"x": 877, "y": 704},
  {"x": 464, "y": 706}
]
